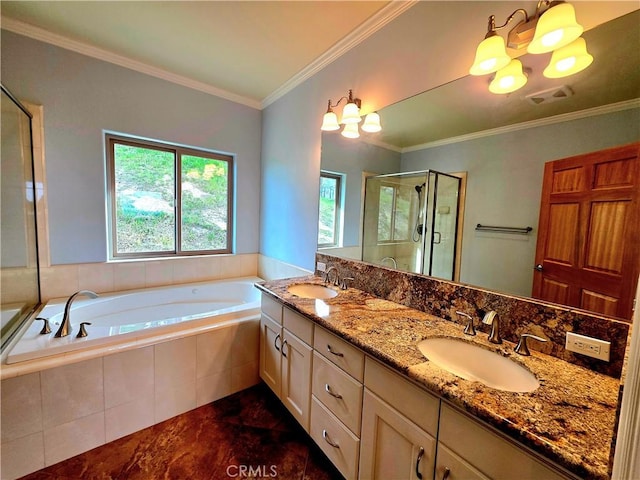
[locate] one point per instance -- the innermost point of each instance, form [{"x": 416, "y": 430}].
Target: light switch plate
[
  {"x": 321, "y": 266},
  {"x": 589, "y": 346}
]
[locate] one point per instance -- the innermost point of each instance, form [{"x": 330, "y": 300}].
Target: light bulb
[
  {"x": 350, "y": 130},
  {"x": 509, "y": 79},
  {"x": 570, "y": 59}
]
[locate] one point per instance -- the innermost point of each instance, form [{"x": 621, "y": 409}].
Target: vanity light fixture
[
  {"x": 553, "y": 28},
  {"x": 350, "y": 118}
]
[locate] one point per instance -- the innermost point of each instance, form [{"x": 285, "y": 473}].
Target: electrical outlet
[
  {"x": 589, "y": 346},
  {"x": 321, "y": 266}
]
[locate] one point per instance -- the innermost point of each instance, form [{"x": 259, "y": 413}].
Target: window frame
[
  {"x": 111, "y": 139},
  {"x": 337, "y": 217}
]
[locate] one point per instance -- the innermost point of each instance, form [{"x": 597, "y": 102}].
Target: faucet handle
[
  {"x": 469, "y": 329},
  {"x": 522, "y": 348},
  {"x": 46, "y": 328},
  {"x": 83, "y": 331},
  {"x": 345, "y": 283}
]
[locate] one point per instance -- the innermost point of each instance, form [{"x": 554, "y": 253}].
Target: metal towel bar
[{"x": 490, "y": 228}]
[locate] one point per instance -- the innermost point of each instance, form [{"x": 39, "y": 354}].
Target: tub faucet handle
[
  {"x": 469, "y": 329},
  {"x": 83, "y": 331},
  {"x": 46, "y": 328},
  {"x": 522, "y": 348}
]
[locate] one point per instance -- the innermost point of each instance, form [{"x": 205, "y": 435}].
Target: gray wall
[
  {"x": 343, "y": 155},
  {"x": 504, "y": 185},
  {"x": 82, "y": 97}
]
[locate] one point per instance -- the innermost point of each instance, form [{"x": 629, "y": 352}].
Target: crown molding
[
  {"x": 565, "y": 117},
  {"x": 374, "y": 23},
  {"x": 61, "y": 41}
]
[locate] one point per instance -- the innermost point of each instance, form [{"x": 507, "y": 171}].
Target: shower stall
[{"x": 410, "y": 222}]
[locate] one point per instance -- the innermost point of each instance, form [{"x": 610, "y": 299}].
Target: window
[
  {"x": 167, "y": 200},
  {"x": 393, "y": 219},
  {"x": 329, "y": 222}
]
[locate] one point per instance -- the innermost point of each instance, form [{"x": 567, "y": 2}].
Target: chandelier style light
[{"x": 350, "y": 118}]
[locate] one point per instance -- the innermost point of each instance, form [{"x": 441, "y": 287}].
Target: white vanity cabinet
[
  {"x": 336, "y": 405},
  {"x": 286, "y": 356},
  {"x": 471, "y": 450},
  {"x": 399, "y": 427}
]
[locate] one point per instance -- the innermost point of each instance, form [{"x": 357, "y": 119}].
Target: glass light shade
[
  {"x": 568, "y": 60},
  {"x": 371, "y": 123},
  {"x": 509, "y": 79},
  {"x": 556, "y": 28},
  {"x": 491, "y": 56},
  {"x": 350, "y": 130},
  {"x": 350, "y": 114},
  {"x": 330, "y": 122}
]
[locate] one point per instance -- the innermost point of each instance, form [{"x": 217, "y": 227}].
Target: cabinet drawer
[
  {"x": 488, "y": 452},
  {"x": 420, "y": 407},
  {"x": 272, "y": 308},
  {"x": 452, "y": 467},
  {"x": 299, "y": 325},
  {"x": 334, "y": 439},
  {"x": 344, "y": 355},
  {"x": 339, "y": 392}
]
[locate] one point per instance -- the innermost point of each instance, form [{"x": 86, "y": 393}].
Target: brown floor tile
[{"x": 250, "y": 430}]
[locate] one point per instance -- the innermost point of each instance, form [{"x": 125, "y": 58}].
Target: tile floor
[{"x": 217, "y": 441}]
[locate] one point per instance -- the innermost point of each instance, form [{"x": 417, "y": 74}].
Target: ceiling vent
[{"x": 550, "y": 95}]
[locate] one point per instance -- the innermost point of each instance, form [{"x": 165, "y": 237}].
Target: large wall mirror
[
  {"x": 19, "y": 287},
  {"x": 501, "y": 143}
]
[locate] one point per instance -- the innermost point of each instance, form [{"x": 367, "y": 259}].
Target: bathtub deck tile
[{"x": 249, "y": 428}]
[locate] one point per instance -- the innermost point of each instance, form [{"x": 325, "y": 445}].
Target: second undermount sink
[
  {"x": 472, "y": 362},
  {"x": 311, "y": 290}
]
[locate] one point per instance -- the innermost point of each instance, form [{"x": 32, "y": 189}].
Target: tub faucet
[
  {"x": 65, "y": 326},
  {"x": 491, "y": 318},
  {"x": 327, "y": 275},
  {"x": 391, "y": 259}
]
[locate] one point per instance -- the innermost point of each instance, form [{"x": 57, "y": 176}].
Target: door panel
[{"x": 588, "y": 231}]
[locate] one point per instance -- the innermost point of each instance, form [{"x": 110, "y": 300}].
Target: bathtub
[{"x": 121, "y": 318}]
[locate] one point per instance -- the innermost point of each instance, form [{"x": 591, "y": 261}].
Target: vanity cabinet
[
  {"x": 399, "y": 427},
  {"x": 336, "y": 404},
  {"x": 286, "y": 357}
]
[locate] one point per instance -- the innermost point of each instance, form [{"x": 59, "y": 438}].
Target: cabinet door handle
[
  {"x": 283, "y": 345},
  {"x": 337, "y": 354},
  {"x": 330, "y": 392},
  {"x": 420, "y": 454},
  {"x": 446, "y": 473},
  {"x": 325, "y": 435},
  {"x": 275, "y": 342}
]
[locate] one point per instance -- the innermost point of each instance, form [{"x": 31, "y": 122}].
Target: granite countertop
[{"x": 569, "y": 419}]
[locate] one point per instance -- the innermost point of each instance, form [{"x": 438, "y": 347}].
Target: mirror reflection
[
  {"x": 500, "y": 143},
  {"x": 19, "y": 287}
]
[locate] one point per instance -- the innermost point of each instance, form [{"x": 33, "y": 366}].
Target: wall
[
  {"x": 504, "y": 185},
  {"x": 82, "y": 97}
]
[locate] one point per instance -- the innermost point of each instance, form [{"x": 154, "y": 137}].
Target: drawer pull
[
  {"x": 446, "y": 473},
  {"x": 325, "y": 435},
  {"x": 330, "y": 392},
  {"x": 283, "y": 345},
  {"x": 337, "y": 354},
  {"x": 275, "y": 342},
  {"x": 420, "y": 454}
]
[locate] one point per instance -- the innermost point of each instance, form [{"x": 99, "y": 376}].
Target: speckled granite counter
[{"x": 569, "y": 419}]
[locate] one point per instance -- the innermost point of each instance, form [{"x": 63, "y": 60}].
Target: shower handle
[{"x": 439, "y": 238}]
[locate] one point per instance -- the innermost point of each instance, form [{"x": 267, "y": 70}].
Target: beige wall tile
[
  {"x": 96, "y": 276},
  {"x": 175, "y": 363},
  {"x": 129, "y": 417},
  {"x": 129, "y": 275},
  {"x": 214, "y": 351},
  {"x": 213, "y": 387},
  {"x": 244, "y": 376},
  {"x": 21, "y": 406},
  {"x": 246, "y": 343},
  {"x": 72, "y": 438},
  {"x": 128, "y": 376},
  {"x": 158, "y": 272},
  {"x": 72, "y": 392},
  {"x": 22, "y": 456},
  {"x": 58, "y": 281},
  {"x": 170, "y": 402}
]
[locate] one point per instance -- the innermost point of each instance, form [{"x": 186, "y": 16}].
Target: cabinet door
[
  {"x": 270, "y": 358},
  {"x": 449, "y": 466},
  {"x": 296, "y": 377},
  {"x": 392, "y": 447}
]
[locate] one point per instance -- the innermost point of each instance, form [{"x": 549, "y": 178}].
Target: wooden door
[{"x": 588, "y": 250}]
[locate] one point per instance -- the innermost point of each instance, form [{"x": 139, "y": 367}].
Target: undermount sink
[
  {"x": 311, "y": 290},
  {"x": 472, "y": 362}
]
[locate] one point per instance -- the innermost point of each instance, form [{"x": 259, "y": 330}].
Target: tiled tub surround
[
  {"x": 568, "y": 419},
  {"x": 517, "y": 315},
  {"x": 54, "y": 414}
]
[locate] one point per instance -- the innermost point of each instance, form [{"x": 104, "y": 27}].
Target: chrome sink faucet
[
  {"x": 327, "y": 276},
  {"x": 491, "y": 318},
  {"x": 65, "y": 326}
]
